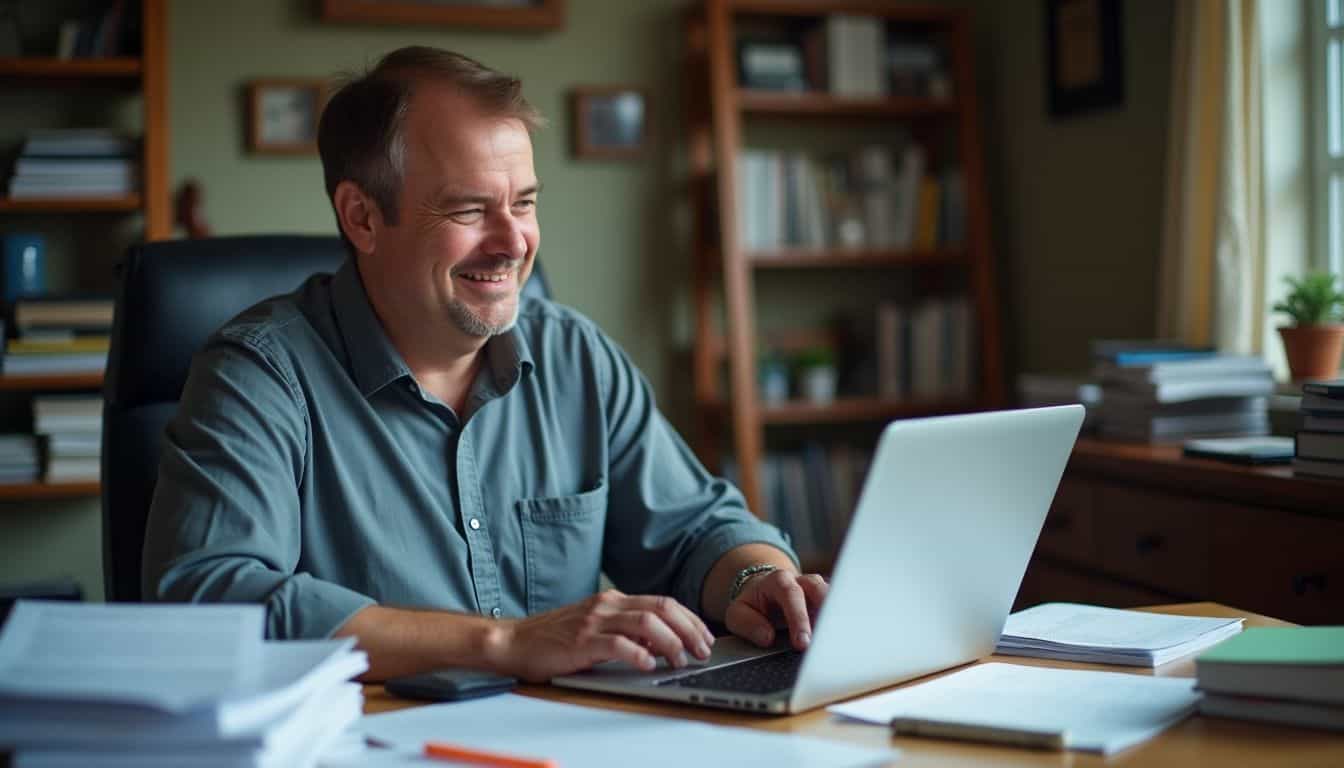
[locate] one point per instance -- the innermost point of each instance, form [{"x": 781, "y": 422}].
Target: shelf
[
  {"x": 70, "y": 204},
  {"x": 22, "y": 491},
  {"x": 852, "y": 257},
  {"x": 855, "y": 409},
  {"x": 805, "y": 104},
  {"x": 23, "y": 382},
  {"x": 98, "y": 70}
]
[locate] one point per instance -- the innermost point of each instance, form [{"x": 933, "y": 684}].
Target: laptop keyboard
[{"x": 765, "y": 674}]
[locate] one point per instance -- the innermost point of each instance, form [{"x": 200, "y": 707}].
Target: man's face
[{"x": 467, "y": 233}]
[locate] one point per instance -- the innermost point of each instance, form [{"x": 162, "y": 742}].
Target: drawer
[
  {"x": 1068, "y": 530},
  {"x": 1049, "y": 582},
  {"x": 1281, "y": 564},
  {"x": 1155, "y": 539}
]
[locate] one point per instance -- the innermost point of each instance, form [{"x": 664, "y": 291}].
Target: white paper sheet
[
  {"x": 1109, "y": 628},
  {"x": 580, "y": 737},
  {"x": 161, "y": 656},
  {"x": 1098, "y": 711}
]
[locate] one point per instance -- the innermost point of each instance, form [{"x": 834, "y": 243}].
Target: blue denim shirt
[{"x": 307, "y": 470}]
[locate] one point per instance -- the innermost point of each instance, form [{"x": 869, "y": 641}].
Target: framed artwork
[
  {"x": 609, "y": 122},
  {"x": 1084, "y": 68},
  {"x": 283, "y": 115},
  {"x": 515, "y": 14}
]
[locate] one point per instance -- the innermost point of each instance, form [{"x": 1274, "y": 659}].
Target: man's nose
[{"x": 506, "y": 236}]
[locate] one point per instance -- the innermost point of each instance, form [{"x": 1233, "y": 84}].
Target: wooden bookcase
[
  {"x": 145, "y": 76},
  {"x": 725, "y": 272}
]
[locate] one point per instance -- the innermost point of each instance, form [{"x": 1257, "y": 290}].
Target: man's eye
[
  {"x": 526, "y": 204},
  {"x": 467, "y": 216}
]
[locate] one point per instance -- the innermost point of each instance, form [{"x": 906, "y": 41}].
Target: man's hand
[
  {"x": 610, "y": 625},
  {"x": 778, "y": 593}
]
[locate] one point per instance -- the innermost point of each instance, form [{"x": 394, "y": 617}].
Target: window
[{"x": 1327, "y": 96}]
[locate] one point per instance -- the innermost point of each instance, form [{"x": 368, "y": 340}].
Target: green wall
[{"x": 1076, "y": 204}]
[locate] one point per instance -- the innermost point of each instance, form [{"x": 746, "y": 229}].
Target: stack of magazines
[
  {"x": 1158, "y": 390},
  {"x": 168, "y": 685}
]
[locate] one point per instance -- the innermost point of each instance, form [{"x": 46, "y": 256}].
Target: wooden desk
[
  {"x": 1197, "y": 741},
  {"x": 1136, "y": 524}
]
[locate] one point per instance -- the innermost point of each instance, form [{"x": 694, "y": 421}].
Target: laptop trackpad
[{"x": 726, "y": 650}]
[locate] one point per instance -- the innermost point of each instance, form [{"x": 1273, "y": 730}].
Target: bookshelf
[
  {"x": 727, "y": 269},
  {"x": 133, "y": 86}
]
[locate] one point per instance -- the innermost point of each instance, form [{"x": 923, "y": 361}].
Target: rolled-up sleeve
[
  {"x": 668, "y": 519},
  {"x": 225, "y": 524}
]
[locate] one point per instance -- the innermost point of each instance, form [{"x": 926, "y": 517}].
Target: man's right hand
[{"x": 609, "y": 625}]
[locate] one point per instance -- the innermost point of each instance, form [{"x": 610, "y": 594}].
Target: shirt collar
[{"x": 375, "y": 362}]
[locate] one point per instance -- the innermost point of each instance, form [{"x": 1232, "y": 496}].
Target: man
[{"x": 407, "y": 453}]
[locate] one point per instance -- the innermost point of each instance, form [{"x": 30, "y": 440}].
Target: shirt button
[
  {"x": 475, "y": 524},
  {"x": 496, "y": 613}
]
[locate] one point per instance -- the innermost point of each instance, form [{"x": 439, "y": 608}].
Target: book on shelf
[
  {"x": 1303, "y": 664},
  {"x": 79, "y": 143},
  {"x": 72, "y": 313},
  {"x": 855, "y": 56},
  {"x": 1203, "y": 367}
]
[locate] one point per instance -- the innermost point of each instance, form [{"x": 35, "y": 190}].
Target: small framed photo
[
  {"x": 1085, "y": 70},
  {"x": 283, "y": 115},
  {"x": 610, "y": 122}
]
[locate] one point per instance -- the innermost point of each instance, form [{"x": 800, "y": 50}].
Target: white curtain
[{"x": 1235, "y": 203}]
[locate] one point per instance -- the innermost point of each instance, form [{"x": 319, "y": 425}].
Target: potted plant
[
  {"x": 1315, "y": 340},
  {"x": 817, "y": 374}
]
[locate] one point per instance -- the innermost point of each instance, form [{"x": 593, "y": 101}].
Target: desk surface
[
  {"x": 1197, "y": 741},
  {"x": 1162, "y": 464}
]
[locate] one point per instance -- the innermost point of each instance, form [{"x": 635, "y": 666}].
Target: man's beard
[{"x": 473, "y": 324}]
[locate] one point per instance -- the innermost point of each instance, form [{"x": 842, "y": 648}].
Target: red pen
[{"x": 443, "y": 751}]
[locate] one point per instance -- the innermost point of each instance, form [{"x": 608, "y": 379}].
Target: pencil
[{"x": 442, "y": 751}]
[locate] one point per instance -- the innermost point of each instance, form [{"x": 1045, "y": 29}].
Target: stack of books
[
  {"x": 1319, "y": 448},
  {"x": 59, "y": 335},
  {"x": 1160, "y": 391},
  {"x": 72, "y": 427},
  {"x": 75, "y": 163},
  {"x": 18, "y": 459},
  {"x": 1291, "y": 675},
  {"x": 95, "y": 685}
]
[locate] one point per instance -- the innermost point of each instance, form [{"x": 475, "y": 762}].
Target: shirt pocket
[{"x": 562, "y": 547}]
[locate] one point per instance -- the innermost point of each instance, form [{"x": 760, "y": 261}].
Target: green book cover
[{"x": 1280, "y": 645}]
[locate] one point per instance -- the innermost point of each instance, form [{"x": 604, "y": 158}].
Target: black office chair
[{"x": 172, "y": 296}]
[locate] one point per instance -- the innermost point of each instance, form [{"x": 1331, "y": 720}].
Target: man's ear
[{"x": 358, "y": 215}]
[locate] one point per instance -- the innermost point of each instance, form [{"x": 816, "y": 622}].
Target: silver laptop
[{"x": 935, "y": 552}]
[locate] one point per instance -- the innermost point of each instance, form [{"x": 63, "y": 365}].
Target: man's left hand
[{"x": 780, "y": 593}]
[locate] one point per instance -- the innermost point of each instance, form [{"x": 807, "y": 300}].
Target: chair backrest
[{"x": 172, "y": 295}]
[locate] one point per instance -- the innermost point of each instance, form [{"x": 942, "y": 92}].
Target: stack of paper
[
  {"x": 168, "y": 685},
  {"x": 1090, "y": 711},
  {"x": 529, "y": 731},
  {"x": 1108, "y": 635}
]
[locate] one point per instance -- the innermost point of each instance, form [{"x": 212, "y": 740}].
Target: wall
[{"x": 1076, "y": 202}]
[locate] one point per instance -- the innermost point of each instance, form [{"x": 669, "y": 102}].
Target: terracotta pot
[{"x": 1313, "y": 350}]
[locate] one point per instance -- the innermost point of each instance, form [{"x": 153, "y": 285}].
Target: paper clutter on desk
[
  {"x": 120, "y": 684},
  {"x": 1091, "y": 634}
]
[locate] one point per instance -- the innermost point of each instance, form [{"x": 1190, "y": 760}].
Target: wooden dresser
[{"x": 1137, "y": 524}]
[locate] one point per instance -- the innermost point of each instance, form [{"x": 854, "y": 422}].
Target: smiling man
[{"x": 410, "y": 453}]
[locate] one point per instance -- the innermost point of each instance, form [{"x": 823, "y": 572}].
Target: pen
[
  {"x": 943, "y": 729},
  {"x": 441, "y": 751}
]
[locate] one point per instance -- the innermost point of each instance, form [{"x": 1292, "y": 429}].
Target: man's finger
[
  {"x": 695, "y": 636},
  {"x": 815, "y": 589},
  {"x": 608, "y": 647},
  {"x": 782, "y": 588},
  {"x": 648, "y": 628},
  {"x": 745, "y": 621}
]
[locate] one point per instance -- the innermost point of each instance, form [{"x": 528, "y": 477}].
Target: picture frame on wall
[
  {"x": 512, "y": 14},
  {"x": 609, "y": 122},
  {"x": 283, "y": 114},
  {"x": 1084, "y": 64}
]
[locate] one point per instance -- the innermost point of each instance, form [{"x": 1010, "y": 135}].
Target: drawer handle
[
  {"x": 1304, "y": 582},
  {"x": 1148, "y": 543}
]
